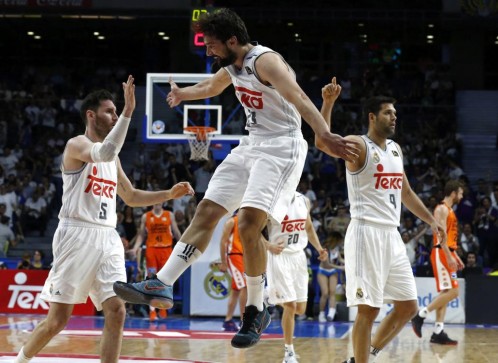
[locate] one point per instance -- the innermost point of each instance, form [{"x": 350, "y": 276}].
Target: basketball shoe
[
  {"x": 417, "y": 323},
  {"x": 151, "y": 291},
  {"x": 229, "y": 325},
  {"x": 253, "y": 324},
  {"x": 442, "y": 338},
  {"x": 290, "y": 357},
  {"x": 350, "y": 360}
]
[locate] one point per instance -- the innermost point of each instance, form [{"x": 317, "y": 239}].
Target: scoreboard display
[{"x": 196, "y": 39}]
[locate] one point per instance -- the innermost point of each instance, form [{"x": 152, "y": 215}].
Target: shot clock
[{"x": 196, "y": 39}]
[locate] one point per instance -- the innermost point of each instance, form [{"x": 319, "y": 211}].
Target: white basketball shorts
[
  {"x": 262, "y": 173},
  {"x": 287, "y": 277},
  {"x": 88, "y": 259},
  {"x": 378, "y": 270}
]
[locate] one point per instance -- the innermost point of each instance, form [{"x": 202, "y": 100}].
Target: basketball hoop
[{"x": 199, "y": 139}]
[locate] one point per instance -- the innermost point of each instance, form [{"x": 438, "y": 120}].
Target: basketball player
[
  {"x": 445, "y": 263},
  {"x": 232, "y": 259},
  {"x": 377, "y": 268},
  {"x": 88, "y": 253},
  {"x": 157, "y": 227},
  {"x": 259, "y": 176},
  {"x": 288, "y": 267}
]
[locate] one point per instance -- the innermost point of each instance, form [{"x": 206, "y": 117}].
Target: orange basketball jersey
[
  {"x": 451, "y": 229},
  {"x": 235, "y": 245},
  {"x": 158, "y": 229}
]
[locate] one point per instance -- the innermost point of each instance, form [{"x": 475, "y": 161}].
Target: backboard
[{"x": 164, "y": 124}]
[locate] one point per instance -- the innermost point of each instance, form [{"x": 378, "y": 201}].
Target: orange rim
[{"x": 200, "y": 131}]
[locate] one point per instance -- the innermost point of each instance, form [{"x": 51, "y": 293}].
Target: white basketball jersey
[
  {"x": 267, "y": 112},
  {"x": 292, "y": 230},
  {"x": 374, "y": 192},
  {"x": 89, "y": 194}
]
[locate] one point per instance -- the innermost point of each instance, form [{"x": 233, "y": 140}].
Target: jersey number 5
[{"x": 103, "y": 211}]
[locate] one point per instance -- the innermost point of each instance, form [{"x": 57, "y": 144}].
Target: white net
[{"x": 199, "y": 142}]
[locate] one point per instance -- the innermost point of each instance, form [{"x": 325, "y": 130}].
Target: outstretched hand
[
  {"x": 338, "y": 147},
  {"x": 129, "y": 96},
  {"x": 331, "y": 91},
  {"x": 173, "y": 97},
  {"x": 181, "y": 189}
]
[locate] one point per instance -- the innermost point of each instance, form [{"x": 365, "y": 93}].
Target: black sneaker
[
  {"x": 350, "y": 360},
  {"x": 442, "y": 338},
  {"x": 253, "y": 324},
  {"x": 417, "y": 323}
]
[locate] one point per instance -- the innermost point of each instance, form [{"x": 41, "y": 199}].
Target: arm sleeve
[{"x": 111, "y": 146}]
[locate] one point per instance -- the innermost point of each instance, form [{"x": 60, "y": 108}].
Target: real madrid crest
[
  {"x": 376, "y": 158},
  {"x": 217, "y": 283},
  {"x": 359, "y": 293}
]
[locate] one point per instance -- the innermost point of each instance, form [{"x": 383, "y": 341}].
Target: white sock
[
  {"x": 331, "y": 312},
  {"x": 423, "y": 313},
  {"x": 255, "y": 290},
  {"x": 182, "y": 256},
  {"x": 21, "y": 358},
  {"x": 289, "y": 348},
  {"x": 438, "y": 327},
  {"x": 374, "y": 354}
]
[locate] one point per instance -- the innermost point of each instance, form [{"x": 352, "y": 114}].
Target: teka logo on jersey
[
  {"x": 25, "y": 296},
  {"x": 388, "y": 180},
  {"x": 98, "y": 186},
  {"x": 250, "y": 98},
  {"x": 295, "y": 225}
]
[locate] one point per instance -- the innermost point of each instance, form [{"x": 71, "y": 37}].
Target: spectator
[
  {"x": 8, "y": 161},
  {"x": 38, "y": 262},
  {"x": 129, "y": 224},
  {"x": 202, "y": 176},
  {"x": 468, "y": 241},
  {"x": 35, "y": 212},
  {"x": 7, "y": 237},
  {"x": 181, "y": 221},
  {"x": 340, "y": 222},
  {"x": 3, "y": 266},
  {"x": 25, "y": 263}
]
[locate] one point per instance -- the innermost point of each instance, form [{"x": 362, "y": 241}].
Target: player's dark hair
[
  {"x": 451, "y": 186},
  {"x": 374, "y": 104},
  {"x": 222, "y": 24},
  {"x": 92, "y": 102}
]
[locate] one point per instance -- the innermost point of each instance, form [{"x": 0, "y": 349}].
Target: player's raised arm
[{"x": 207, "y": 88}]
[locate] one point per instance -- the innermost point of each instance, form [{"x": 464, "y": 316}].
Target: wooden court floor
[{"x": 476, "y": 344}]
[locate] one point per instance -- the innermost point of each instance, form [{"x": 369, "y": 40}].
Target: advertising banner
[{"x": 20, "y": 292}]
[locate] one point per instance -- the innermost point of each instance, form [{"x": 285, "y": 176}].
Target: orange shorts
[
  {"x": 236, "y": 267},
  {"x": 445, "y": 278},
  {"x": 156, "y": 257}
]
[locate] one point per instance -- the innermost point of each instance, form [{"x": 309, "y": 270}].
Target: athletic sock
[
  {"x": 423, "y": 313},
  {"x": 182, "y": 256},
  {"x": 21, "y": 358},
  {"x": 374, "y": 354},
  {"x": 289, "y": 348},
  {"x": 438, "y": 327},
  {"x": 331, "y": 313},
  {"x": 255, "y": 290}
]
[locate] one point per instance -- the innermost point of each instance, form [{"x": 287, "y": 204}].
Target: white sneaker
[
  {"x": 321, "y": 317},
  {"x": 290, "y": 358}
]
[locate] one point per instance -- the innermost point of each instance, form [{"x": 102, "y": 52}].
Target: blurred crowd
[{"x": 39, "y": 112}]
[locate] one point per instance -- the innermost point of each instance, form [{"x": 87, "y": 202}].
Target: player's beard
[
  {"x": 389, "y": 131},
  {"x": 102, "y": 128},
  {"x": 228, "y": 60}
]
